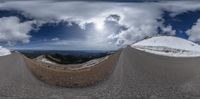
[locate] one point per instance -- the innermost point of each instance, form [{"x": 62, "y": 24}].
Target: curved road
[{"x": 137, "y": 75}]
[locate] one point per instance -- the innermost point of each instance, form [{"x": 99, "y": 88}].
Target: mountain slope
[{"x": 169, "y": 46}]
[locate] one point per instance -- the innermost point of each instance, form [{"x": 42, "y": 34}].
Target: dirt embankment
[{"x": 79, "y": 77}]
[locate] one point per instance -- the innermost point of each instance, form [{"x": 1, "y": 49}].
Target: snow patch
[
  {"x": 169, "y": 46},
  {"x": 43, "y": 59},
  {"x": 4, "y": 51},
  {"x": 94, "y": 62},
  {"x": 46, "y": 61}
]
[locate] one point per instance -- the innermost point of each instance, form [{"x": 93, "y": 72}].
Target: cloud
[
  {"x": 12, "y": 31},
  {"x": 177, "y": 7},
  {"x": 79, "y": 44},
  {"x": 167, "y": 30},
  {"x": 55, "y": 39},
  {"x": 131, "y": 21},
  {"x": 194, "y": 32}
]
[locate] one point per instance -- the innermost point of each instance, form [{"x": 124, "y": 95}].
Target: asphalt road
[{"x": 137, "y": 75}]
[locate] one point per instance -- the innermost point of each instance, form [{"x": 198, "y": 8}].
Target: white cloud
[
  {"x": 140, "y": 18},
  {"x": 177, "y": 7},
  {"x": 194, "y": 32},
  {"x": 55, "y": 39},
  {"x": 12, "y": 31},
  {"x": 167, "y": 30}
]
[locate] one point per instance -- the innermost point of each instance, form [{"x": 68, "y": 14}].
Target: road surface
[{"x": 137, "y": 75}]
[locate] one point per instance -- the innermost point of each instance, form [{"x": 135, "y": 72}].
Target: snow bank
[
  {"x": 4, "y": 51},
  {"x": 47, "y": 61},
  {"x": 169, "y": 46}
]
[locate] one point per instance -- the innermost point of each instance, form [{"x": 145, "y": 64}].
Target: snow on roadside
[
  {"x": 4, "y": 51},
  {"x": 94, "y": 62},
  {"x": 169, "y": 46},
  {"x": 46, "y": 61}
]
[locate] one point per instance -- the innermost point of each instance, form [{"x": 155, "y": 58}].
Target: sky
[{"x": 86, "y": 25}]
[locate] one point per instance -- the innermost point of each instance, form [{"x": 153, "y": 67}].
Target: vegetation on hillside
[{"x": 69, "y": 59}]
